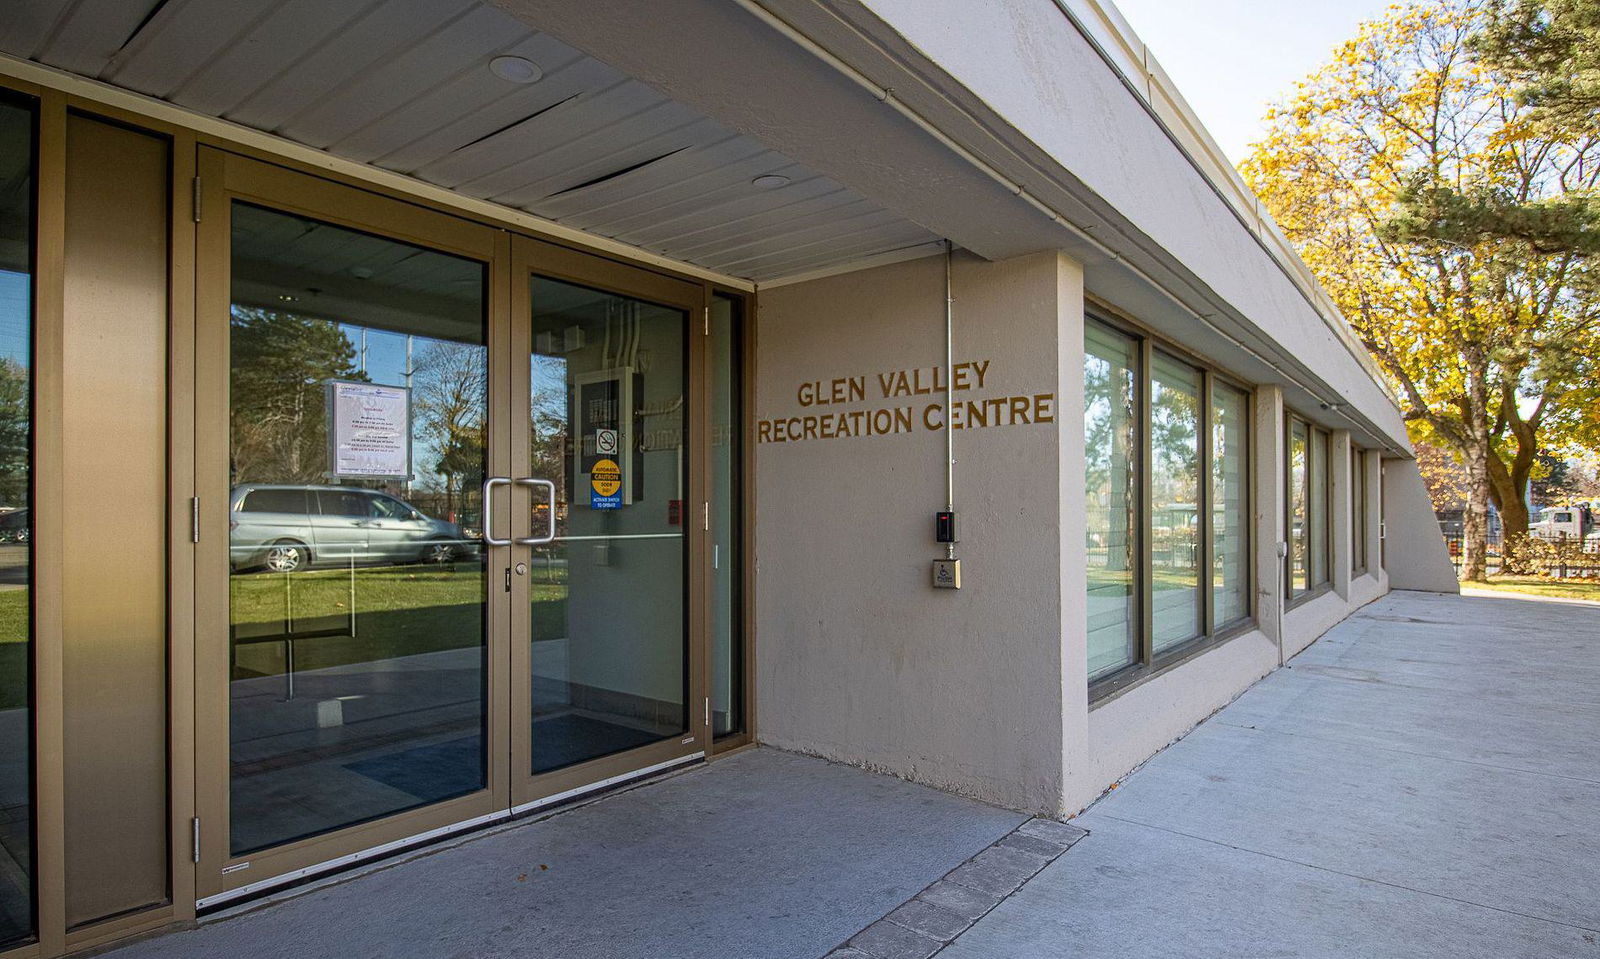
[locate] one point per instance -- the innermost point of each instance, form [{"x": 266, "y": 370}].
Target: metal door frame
[
  {"x": 223, "y": 178},
  {"x": 530, "y": 258}
]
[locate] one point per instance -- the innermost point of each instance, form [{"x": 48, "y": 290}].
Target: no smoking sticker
[
  {"x": 605, "y": 442},
  {"x": 605, "y": 483}
]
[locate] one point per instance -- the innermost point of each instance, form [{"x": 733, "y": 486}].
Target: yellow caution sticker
[{"x": 605, "y": 482}]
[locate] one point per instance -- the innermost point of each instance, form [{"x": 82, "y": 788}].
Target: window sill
[
  {"x": 1107, "y": 688},
  {"x": 1307, "y": 596}
]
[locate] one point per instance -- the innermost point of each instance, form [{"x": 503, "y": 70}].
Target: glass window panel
[
  {"x": 1111, "y": 452},
  {"x": 358, "y": 653},
  {"x": 1176, "y": 603},
  {"x": 727, "y": 652},
  {"x": 1230, "y": 505},
  {"x": 16, "y": 433},
  {"x": 1358, "y": 510},
  {"x": 1318, "y": 513},
  {"x": 609, "y": 645},
  {"x": 1299, "y": 526}
]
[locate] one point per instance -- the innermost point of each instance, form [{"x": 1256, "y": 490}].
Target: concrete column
[
  {"x": 1339, "y": 510},
  {"x": 1267, "y": 507},
  {"x": 1074, "y": 575}
]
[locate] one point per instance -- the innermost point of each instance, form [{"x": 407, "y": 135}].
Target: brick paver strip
[{"x": 935, "y": 917}]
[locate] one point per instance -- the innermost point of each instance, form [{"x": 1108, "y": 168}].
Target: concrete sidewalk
[
  {"x": 1423, "y": 781},
  {"x": 764, "y": 854}
]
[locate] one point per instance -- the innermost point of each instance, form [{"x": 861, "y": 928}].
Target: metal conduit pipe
[
  {"x": 949, "y": 391},
  {"x": 887, "y": 96}
]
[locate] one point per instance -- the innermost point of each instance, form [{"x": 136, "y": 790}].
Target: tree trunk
[
  {"x": 1475, "y": 533},
  {"x": 1476, "y": 453}
]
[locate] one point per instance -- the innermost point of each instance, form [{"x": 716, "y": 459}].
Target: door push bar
[
  {"x": 489, "y": 538},
  {"x": 488, "y": 516}
]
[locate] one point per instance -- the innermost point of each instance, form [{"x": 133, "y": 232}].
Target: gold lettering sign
[{"x": 966, "y": 412}]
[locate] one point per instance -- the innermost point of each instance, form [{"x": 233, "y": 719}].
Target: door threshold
[{"x": 294, "y": 882}]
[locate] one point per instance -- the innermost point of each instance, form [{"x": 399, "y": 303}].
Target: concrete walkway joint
[{"x": 939, "y": 914}]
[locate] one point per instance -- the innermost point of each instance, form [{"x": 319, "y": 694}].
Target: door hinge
[
  {"x": 708, "y": 712},
  {"x": 705, "y": 321},
  {"x": 194, "y": 519},
  {"x": 705, "y": 516},
  {"x": 195, "y": 822},
  {"x": 197, "y": 199}
]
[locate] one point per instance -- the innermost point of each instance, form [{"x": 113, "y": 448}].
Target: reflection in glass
[
  {"x": 1176, "y": 602},
  {"x": 1111, "y": 449},
  {"x": 357, "y": 601},
  {"x": 727, "y": 659},
  {"x": 1299, "y": 526},
  {"x": 1317, "y": 515},
  {"x": 16, "y": 431},
  {"x": 609, "y": 641},
  {"x": 1230, "y": 503},
  {"x": 1358, "y": 511}
]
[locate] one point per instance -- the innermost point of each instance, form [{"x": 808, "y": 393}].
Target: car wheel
[
  {"x": 438, "y": 551},
  {"x": 286, "y": 556}
]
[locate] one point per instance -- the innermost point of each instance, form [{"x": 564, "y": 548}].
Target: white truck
[{"x": 1573, "y": 524}]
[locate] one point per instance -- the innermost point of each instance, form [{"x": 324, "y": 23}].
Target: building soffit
[{"x": 775, "y": 90}]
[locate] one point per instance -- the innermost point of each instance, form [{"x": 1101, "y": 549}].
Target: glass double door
[{"x": 450, "y": 485}]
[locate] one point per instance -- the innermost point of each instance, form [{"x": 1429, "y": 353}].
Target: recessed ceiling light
[
  {"x": 770, "y": 181},
  {"x": 515, "y": 69},
  {"x": 361, "y": 272}
]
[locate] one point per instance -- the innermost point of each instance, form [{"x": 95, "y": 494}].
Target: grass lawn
[
  {"x": 1537, "y": 586},
  {"x": 399, "y": 611},
  {"x": 13, "y": 648}
]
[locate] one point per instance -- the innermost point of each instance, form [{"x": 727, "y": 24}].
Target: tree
[
  {"x": 1551, "y": 50},
  {"x": 1443, "y": 475},
  {"x": 451, "y": 384},
  {"x": 1488, "y": 340},
  {"x": 1565, "y": 481},
  {"x": 280, "y": 363},
  {"x": 15, "y": 402}
]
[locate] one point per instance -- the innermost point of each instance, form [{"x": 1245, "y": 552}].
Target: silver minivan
[{"x": 286, "y": 528}]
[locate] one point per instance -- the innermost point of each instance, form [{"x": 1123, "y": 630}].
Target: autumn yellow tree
[{"x": 1490, "y": 343}]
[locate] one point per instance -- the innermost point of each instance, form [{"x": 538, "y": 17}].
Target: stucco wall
[
  {"x": 858, "y": 657},
  {"x": 1414, "y": 548},
  {"x": 1125, "y": 731}
]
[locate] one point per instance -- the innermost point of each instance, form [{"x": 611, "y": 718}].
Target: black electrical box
[{"x": 944, "y": 526}]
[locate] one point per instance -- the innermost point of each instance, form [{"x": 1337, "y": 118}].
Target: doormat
[{"x": 431, "y": 773}]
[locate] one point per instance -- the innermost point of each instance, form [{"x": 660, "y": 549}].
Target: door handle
[
  {"x": 488, "y": 514},
  {"x": 550, "y": 531}
]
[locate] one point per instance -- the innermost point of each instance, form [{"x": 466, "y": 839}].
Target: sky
[{"x": 1230, "y": 58}]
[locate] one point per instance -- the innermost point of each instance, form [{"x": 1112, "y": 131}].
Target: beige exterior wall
[
  {"x": 859, "y": 658},
  {"x": 981, "y": 691}
]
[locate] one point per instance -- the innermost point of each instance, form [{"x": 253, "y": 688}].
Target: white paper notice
[{"x": 371, "y": 430}]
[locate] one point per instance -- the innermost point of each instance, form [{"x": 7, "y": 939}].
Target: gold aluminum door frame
[
  {"x": 532, "y": 258},
  {"x": 225, "y": 177}
]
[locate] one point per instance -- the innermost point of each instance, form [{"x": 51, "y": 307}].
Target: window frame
[
  {"x": 1147, "y": 663},
  {"x": 1248, "y": 528},
  {"x": 1358, "y": 511},
  {"x": 1314, "y": 435}
]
